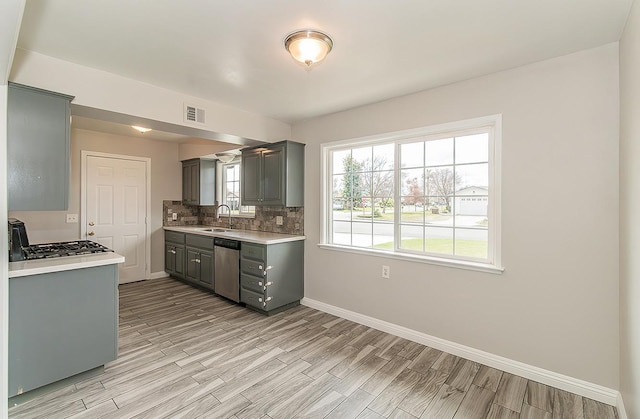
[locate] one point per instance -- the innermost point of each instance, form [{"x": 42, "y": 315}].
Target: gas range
[{"x": 54, "y": 250}]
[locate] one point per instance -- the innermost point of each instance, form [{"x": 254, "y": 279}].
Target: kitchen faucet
[{"x": 225, "y": 205}]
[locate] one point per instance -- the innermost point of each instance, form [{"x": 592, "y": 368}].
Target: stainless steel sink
[{"x": 216, "y": 230}]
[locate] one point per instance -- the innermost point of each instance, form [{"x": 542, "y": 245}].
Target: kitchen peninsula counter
[
  {"x": 67, "y": 263},
  {"x": 250, "y": 236},
  {"x": 63, "y": 318}
]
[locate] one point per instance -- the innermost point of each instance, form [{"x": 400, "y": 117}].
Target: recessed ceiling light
[{"x": 142, "y": 130}]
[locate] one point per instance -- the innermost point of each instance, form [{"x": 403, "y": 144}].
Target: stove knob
[{"x": 91, "y": 233}]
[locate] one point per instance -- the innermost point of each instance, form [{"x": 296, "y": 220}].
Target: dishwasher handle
[{"x": 227, "y": 243}]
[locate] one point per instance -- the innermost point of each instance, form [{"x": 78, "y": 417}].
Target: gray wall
[
  {"x": 630, "y": 214},
  {"x": 166, "y": 175},
  {"x": 556, "y": 305}
]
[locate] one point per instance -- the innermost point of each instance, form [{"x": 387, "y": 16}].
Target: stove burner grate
[{"x": 73, "y": 248}]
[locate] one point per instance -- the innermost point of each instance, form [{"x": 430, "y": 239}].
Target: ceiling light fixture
[
  {"x": 142, "y": 130},
  {"x": 308, "y": 46},
  {"x": 225, "y": 157}
]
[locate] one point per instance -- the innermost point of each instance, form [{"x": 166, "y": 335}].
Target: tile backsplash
[{"x": 265, "y": 218}]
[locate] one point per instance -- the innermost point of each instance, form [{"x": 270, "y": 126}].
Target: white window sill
[{"x": 458, "y": 264}]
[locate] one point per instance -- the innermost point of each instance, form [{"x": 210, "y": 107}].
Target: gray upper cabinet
[
  {"x": 199, "y": 182},
  {"x": 273, "y": 175},
  {"x": 38, "y": 156}
]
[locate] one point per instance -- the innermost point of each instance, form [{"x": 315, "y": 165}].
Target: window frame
[
  {"x": 222, "y": 175},
  {"x": 459, "y": 128}
]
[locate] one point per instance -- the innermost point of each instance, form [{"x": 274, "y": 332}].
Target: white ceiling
[{"x": 231, "y": 52}]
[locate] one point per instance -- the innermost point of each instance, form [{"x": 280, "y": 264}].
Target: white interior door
[{"x": 116, "y": 199}]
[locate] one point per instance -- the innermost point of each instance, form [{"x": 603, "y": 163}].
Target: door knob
[{"x": 91, "y": 233}]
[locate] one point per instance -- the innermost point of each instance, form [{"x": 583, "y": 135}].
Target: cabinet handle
[
  {"x": 172, "y": 252},
  {"x": 260, "y": 267},
  {"x": 195, "y": 260},
  {"x": 259, "y": 283},
  {"x": 264, "y": 273}
]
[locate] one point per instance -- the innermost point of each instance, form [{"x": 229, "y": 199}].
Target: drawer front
[
  {"x": 252, "y": 283},
  {"x": 253, "y": 251},
  {"x": 202, "y": 242},
  {"x": 173, "y": 236},
  {"x": 252, "y": 267},
  {"x": 251, "y": 298}
]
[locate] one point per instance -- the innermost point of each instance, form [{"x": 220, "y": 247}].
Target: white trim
[
  {"x": 550, "y": 378},
  {"x": 451, "y": 263},
  {"x": 158, "y": 275},
  {"x": 491, "y": 124},
  {"x": 83, "y": 196},
  {"x": 622, "y": 413},
  {"x": 4, "y": 258}
]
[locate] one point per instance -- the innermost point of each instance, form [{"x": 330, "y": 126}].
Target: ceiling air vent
[{"x": 193, "y": 114}]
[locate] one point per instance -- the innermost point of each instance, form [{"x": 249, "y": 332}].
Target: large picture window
[{"x": 430, "y": 194}]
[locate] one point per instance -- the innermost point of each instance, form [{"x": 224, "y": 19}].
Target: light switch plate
[
  {"x": 72, "y": 218},
  {"x": 174, "y": 216},
  {"x": 279, "y": 220}
]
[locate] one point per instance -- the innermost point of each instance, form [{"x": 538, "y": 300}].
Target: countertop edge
[
  {"x": 43, "y": 266},
  {"x": 240, "y": 235}
]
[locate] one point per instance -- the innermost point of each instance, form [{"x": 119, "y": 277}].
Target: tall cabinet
[
  {"x": 273, "y": 175},
  {"x": 38, "y": 156}
]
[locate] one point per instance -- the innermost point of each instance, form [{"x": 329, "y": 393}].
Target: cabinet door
[
  {"x": 273, "y": 176},
  {"x": 180, "y": 261},
  {"x": 195, "y": 183},
  {"x": 186, "y": 183},
  {"x": 38, "y": 156},
  {"x": 251, "y": 178},
  {"x": 206, "y": 269},
  {"x": 169, "y": 258},
  {"x": 193, "y": 265}
]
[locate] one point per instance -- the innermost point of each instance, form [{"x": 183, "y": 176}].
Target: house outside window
[
  {"x": 230, "y": 194},
  {"x": 431, "y": 194}
]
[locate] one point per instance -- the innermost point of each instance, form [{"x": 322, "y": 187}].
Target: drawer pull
[
  {"x": 173, "y": 252},
  {"x": 259, "y": 283},
  {"x": 195, "y": 260}
]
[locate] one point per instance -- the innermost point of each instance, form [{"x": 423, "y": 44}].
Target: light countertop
[
  {"x": 259, "y": 237},
  {"x": 66, "y": 263}
]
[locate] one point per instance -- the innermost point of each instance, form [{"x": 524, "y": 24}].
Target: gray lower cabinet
[
  {"x": 200, "y": 260},
  {"x": 61, "y": 324},
  {"x": 38, "y": 156},
  {"x": 174, "y": 255},
  {"x": 273, "y": 175},
  {"x": 271, "y": 276}
]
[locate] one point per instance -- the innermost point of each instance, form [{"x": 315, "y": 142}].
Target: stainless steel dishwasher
[{"x": 227, "y": 268}]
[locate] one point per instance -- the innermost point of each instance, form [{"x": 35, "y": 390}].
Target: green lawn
[
  {"x": 406, "y": 217},
  {"x": 471, "y": 248}
]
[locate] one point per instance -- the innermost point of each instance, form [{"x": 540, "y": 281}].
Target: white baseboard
[
  {"x": 550, "y": 378},
  {"x": 156, "y": 275},
  {"x": 622, "y": 413}
]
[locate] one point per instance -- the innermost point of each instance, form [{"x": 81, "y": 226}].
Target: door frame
[{"x": 83, "y": 196}]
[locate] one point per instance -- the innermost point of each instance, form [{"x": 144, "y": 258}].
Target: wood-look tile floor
[{"x": 185, "y": 353}]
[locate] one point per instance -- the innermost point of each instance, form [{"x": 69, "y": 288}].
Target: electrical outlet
[
  {"x": 174, "y": 216},
  {"x": 72, "y": 218},
  {"x": 386, "y": 271},
  {"x": 279, "y": 220}
]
